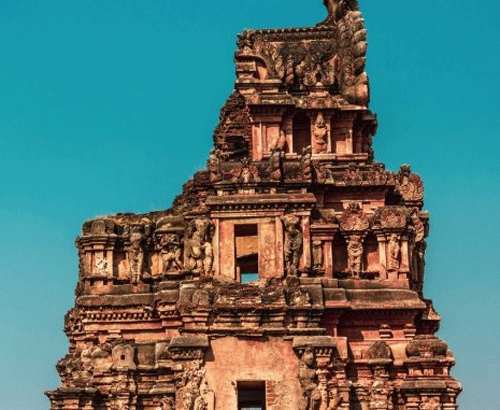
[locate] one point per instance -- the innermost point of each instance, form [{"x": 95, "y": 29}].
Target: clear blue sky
[{"x": 109, "y": 106}]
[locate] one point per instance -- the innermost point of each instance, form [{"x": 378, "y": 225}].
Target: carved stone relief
[
  {"x": 353, "y": 176},
  {"x": 199, "y": 249},
  {"x": 355, "y": 254},
  {"x": 354, "y": 219},
  {"x": 320, "y": 135},
  {"x": 394, "y": 251},
  {"x": 317, "y": 250},
  {"x": 409, "y": 185},
  {"x": 245, "y": 172},
  {"x": 136, "y": 254},
  {"x": 311, "y": 394},
  {"x": 171, "y": 252},
  {"x": 306, "y": 164},
  {"x": 293, "y": 243}
]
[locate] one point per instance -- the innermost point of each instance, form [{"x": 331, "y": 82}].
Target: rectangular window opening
[
  {"x": 247, "y": 252},
  {"x": 252, "y": 395}
]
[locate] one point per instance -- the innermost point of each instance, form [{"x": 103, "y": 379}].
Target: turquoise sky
[{"x": 109, "y": 106}]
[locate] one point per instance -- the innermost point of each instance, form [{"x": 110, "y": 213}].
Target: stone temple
[{"x": 288, "y": 274}]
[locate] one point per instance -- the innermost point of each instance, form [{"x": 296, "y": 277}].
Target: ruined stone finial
[{"x": 337, "y": 9}]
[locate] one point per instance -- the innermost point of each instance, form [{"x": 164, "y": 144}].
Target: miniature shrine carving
[{"x": 288, "y": 274}]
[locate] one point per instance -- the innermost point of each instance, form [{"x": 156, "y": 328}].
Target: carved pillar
[
  {"x": 405, "y": 256},
  {"x": 328, "y": 257},
  {"x": 382, "y": 251}
]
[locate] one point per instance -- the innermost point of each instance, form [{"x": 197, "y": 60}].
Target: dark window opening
[
  {"x": 301, "y": 132},
  {"x": 249, "y": 268},
  {"x": 247, "y": 252},
  {"x": 252, "y": 395}
]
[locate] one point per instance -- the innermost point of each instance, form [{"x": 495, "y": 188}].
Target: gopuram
[{"x": 288, "y": 275}]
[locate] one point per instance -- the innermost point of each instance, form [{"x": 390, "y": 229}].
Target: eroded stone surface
[{"x": 331, "y": 243}]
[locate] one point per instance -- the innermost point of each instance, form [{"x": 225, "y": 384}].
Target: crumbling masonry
[{"x": 287, "y": 275}]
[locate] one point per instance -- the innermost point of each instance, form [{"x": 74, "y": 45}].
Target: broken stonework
[{"x": 287, "y": 275}]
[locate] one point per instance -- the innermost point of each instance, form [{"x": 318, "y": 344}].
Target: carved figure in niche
[
  {"x": 135, "y": 255},
  {"x": 245, "y": 172},
  {"x": 171, "y": 252},
  {"x": 279, "y": 144},
  {"x": 306, "y": 163},
  {"x": 409, "y": 185},
  {"x": 317, "y": 249},
  {"x": 275, "y": 167},
  {"x": 394, "y": 252},
  {"x": 311, "y": 394},
  {"x": 293, "y": 243},
  {"x": 320, "y": 134},
  {"x": 199, "y": 249},
  {"x": 355, "y": 254},
  {"x": 431, "y": 403}
]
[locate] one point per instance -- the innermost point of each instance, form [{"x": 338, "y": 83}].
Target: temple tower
[{"x": 287, "y": 275}]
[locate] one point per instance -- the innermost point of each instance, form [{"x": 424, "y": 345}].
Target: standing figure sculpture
[
  {"x": 394, "y": 252},
  {"x": 355, "y": 254},
  {"x": 317, "y": 249},
  {"x": 293, "y": 244},
  {"x": 320, "y": 143},
  {"x": 135, "y": 255},
  {"x": 311, "y": 395}
]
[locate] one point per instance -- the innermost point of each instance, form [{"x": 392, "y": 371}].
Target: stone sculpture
[
  {"x": 171, "y": 253},
  {"x": 306, "y": 163},
  {"x": 135, "y": 255},
  {"x": 199, "y": 249},
  {"x": 355, "y": 254},
  {"x": 290, "y": 194},
  {"x": 311, "y": 394},
  {"x": 293, "y": 243},
  {"x": 317, "y": 254},
  {"x": 394, "y": 250}
]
